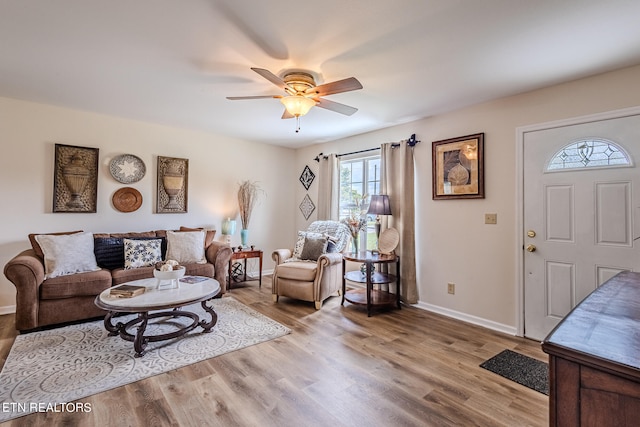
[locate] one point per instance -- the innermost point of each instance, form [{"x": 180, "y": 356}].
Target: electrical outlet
[
  {"x": 490, "y": 218},
  {"x": 451, "y": 288}
]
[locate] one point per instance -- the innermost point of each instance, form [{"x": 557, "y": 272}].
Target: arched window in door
[{"x": 589, "y": 153}]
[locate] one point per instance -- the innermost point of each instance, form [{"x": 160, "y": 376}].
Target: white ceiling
[{"x": 174, "y": 61}]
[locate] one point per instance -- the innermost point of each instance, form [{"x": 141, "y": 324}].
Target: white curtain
[
  {"x": 328, "y": 187},
  {"x": 397, "y": 182}
]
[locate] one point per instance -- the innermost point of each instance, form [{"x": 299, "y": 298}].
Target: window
[
  {"x": 589, "y": 153},
  {"x": 360, "y": 176}
]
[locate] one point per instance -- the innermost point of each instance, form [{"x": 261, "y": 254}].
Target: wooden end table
[
  {"x": 369, "y": 296},
  {"x": 244, "y": 255}
]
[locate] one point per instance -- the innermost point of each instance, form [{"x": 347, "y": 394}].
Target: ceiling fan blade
[
  {"x": 335, "y": 106},
  {"x": 339, "y": 86},
  {"x": 272, "y": 78},
  {"x": 287, "y": 115},
  {"x": 236, "y": 98}
]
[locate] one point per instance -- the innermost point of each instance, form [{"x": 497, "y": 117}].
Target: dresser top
[{"x": 605, "y": 327}]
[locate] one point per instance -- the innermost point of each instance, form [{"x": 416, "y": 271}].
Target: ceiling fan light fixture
[{"x": 297, "y": 105}]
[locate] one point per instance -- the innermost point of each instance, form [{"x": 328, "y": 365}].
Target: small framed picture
[{"x": 458, "y": 168}]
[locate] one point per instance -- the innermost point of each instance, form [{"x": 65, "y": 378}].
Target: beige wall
[
  {"x": 453, "y": 243},
  {"x": 217, "y": 164}
]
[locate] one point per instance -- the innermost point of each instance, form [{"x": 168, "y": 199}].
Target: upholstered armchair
[{"x": 298, "y": 275}]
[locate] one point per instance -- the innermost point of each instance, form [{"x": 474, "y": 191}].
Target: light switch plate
[{"x": 490, "y": 218}]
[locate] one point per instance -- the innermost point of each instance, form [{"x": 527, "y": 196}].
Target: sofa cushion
[
  {"x": 67, "y": 254},
  {"x": 81, "y": 284},
  {"x": 36, "y": 246},
  {"x": 298, "y": 270},
  {"x": 109, "y": 250},
  {"x": 186, "y": 247},
  {"x": 141, "y": 253}
]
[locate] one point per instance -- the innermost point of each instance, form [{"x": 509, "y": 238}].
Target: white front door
[{"x": 578, "y": 223}]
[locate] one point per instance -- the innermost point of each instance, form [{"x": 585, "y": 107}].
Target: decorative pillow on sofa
[
  {"x": 314, "y": 247},
  {"x": 142, "y": 253},
  {"x": 67, "y": 254},
  {"x": 109, "y": 251},
  {"x": 36, "y": 247},
  {"x": 186, "y": 247},
  {"x": 208, "y": 237}
]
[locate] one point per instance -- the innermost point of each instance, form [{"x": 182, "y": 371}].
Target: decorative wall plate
[
  {"x": 388, "y": 241},
  {"x": 127, "y": 199},
  {"x": 127, "y": 168},
  {"x": 307, "y": 207},
  {"x": 307, "y": 177}
]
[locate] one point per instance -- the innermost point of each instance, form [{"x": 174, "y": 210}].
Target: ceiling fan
[{"x": 302, "y": 93}]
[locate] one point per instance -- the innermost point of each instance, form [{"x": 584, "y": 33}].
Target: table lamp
[
  {"x": 228, "y": 228},
  {"x": 379, "y": 205}
]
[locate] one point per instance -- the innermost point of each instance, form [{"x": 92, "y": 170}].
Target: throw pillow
[
  {"x": 314, "y": 247},
  {"x": 109, "y": 251},
  {"x": 186, "y": 247},
  {"x": 67, "y": 254},
  {"x": 208, "y": 238},
  {"x": 297, "y": 249},
  {"x": 36, "y": 247},
  {"x": 331, "y": 243},
  {"x": 142, "y": 253}
]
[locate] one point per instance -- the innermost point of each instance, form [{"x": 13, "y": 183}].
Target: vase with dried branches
[{"x": 248, "y": 192}]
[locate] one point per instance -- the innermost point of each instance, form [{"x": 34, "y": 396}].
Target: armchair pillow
[
  {"x": 67, "y": 254},
  {"x": 314, "y": 247},
  {"x": 297, "y": 249}
]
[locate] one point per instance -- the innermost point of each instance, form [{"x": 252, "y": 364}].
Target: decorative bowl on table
[{"x": 172, "y": 277}]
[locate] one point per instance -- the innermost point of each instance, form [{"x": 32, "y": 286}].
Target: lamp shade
[
  {"x": 228, "y": 227},
  {"x": 297, "y": 105},
  {"x": 379, "y": 205}
]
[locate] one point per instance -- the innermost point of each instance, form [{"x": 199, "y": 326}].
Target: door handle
[{"x": 531, "y": 248}]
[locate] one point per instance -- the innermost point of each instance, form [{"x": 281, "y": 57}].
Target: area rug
[
  {"x": 522, "y": 369},
  {"x": 61, "y": 365}
]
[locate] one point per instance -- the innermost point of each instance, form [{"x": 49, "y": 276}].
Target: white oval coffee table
[{"x": 167, "y": 301}]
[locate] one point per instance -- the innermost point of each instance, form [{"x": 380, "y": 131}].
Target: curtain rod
[{"x": 411, "y": 142}]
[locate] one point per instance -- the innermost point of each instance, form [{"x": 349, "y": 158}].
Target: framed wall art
[
  {"x": 307, "y": 207},
  {"x": 75, "y": 181},
  {"x": 307, "y": 177},
  {"x": 458, "y": 168},
  {"x": 173, "y": 180}
]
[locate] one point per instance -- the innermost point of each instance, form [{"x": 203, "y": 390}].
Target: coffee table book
[{"x": 127, "y": 291}]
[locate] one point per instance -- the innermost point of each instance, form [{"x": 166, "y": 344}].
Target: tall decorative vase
[
  {"x": 355, "y": 241},
  {"x": 244, "y": 235}
]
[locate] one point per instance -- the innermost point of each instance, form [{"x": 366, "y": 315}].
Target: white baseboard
[
  {"x": 489, "y": 324},
  {"x": 7, "y": 309}
]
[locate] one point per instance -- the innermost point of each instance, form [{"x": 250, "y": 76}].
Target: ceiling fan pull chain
[{"x": 297, "y": 124}]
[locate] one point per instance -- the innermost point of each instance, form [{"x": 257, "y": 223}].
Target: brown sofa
[{"x": 62, "y": 299}]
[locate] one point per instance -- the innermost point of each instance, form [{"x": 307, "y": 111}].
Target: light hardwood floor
[{"x": 337, "y": 368}]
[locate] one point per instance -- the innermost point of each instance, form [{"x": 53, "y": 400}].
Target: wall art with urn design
[
  {"x": 75, "y": 181},
  {"x": 173, "y": 174}
]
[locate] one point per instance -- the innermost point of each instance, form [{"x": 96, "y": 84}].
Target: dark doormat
[{"x": 522, "y": 369}]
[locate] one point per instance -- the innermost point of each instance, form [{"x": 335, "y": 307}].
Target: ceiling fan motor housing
[{"x": 299, "y": 81}]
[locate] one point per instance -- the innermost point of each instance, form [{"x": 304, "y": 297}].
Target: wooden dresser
[{"x": 594, "y": 358}]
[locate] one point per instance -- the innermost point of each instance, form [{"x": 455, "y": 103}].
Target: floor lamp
[{"x": 379, "y": 205}]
